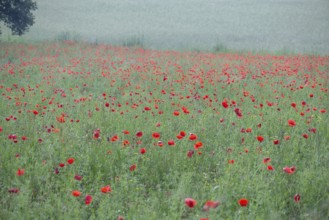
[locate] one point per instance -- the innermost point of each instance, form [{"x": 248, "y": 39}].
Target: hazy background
[{"x": 272, "y": 25}]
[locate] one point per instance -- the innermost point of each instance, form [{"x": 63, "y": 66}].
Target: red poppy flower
[
  {"x": 297, "y": 198},
  {"x": 70, "y": 160},
  {"x": 192, "y": 137},
  {"x": 96, "y": 134},
  {"x": 243, "y": 202},
  {"x": 270, "y": 168},
  {"x": 88, "y": 199},
  {"x": 126, "y": 132},
  {"x": 210, "y": 204},
  {"x": 20, "y": 172},
  {"x": 142, "y": 150},
  {"x": 190, "y": 153},
  {"x": 132, "y": 167},
  {"x": 289, "y": 170},
  {"x": 313, "y": 130},
  {"x": 156, "y": 135},
  {"x": 190, "y": 202},
  {"x": 238, "y": 112},
  {"x": 293, "y": 105},
  {"x": 305, "y": 136},
  {"x": 182, "y": 133},
  {"x": 266, "y": 160},
  {"x": 291, "y": 123},
  {"x": 224, "y": 103},
  {"x": 276, "y": 142},
  {"x": 13, "y": 190},
  {"x": 120, "y": 217},
  {"x": 185, "y": 110},
  {"x": 60, "y": 119},
  {"x": 160, "y": 143},
  {"x": 139, "y": 134},
  {"x": 176, "y": 113},
  {"x": 106, "y": 189},
  {"x": 171, "y": 143},
  {"x": 62, "y": 165},
  {"x": 78, "y": 177},
  {"x": 76, "y": 193},
  {"x": 260, "y": 138},
  {"x": 198, "y": 145}
]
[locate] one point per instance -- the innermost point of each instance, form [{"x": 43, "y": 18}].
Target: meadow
[{"x": 109, "y": 132}]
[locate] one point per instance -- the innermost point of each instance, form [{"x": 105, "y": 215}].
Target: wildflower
[
  {"x": 142, "y": 150},
  {"x": 289, "y": 170},
  {"x": 260, "y": 138},
  {"x": 76, "y": 193},
  {"x": 106, "y": 189},
  {"x": 243, "y": 202},
  {"x": 176, "y": 113},
  {"x": 78, "y": 177},
  {"x": 190, "y": 202},
  {"x": 198, "y": 145},
  {"x": 171, "y": 143},
  {"x": 276, "y": 142},
  {"x": 13, "y": 190},
  {"x": 156, "y": 135},
  {"x": 70, "y": 160},
  {"x": 132, "y": 167},
  {"x": 193, "y": 137},
  {"x": 20, "y": 172},
  {"x": 270, "y": 168},
  {"x": 190, "y": 153},
  {"x": 60, "y": 119},
  {"x": 266, "y": 160},
  {"x": 224, "y": 103},
  {"x": 88, "y": 199},
  {"x": 210, "y": 204},
  {"x": 291, "y": 123},
  {"x": 238, "y": 112},
  {"x": 297, "y": 198},
  {"x": 126, "y": 132},
  {"x": 139, "y": 134}
]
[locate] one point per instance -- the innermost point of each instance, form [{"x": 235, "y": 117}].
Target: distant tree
[{"x": 17, "y": 15}]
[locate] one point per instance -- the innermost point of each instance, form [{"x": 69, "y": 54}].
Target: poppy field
[{"x": 107, "y": 132}]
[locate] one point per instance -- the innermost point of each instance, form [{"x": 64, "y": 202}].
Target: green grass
[{"x": 130, "y": 79}]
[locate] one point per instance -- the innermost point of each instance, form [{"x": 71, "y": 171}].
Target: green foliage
[{"x": 17, "y": 15}]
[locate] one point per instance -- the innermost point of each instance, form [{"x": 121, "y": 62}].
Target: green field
[{"x": 104, "y": 132}]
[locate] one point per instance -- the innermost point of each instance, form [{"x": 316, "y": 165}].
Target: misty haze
[{"x": 291, "y": 25}]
